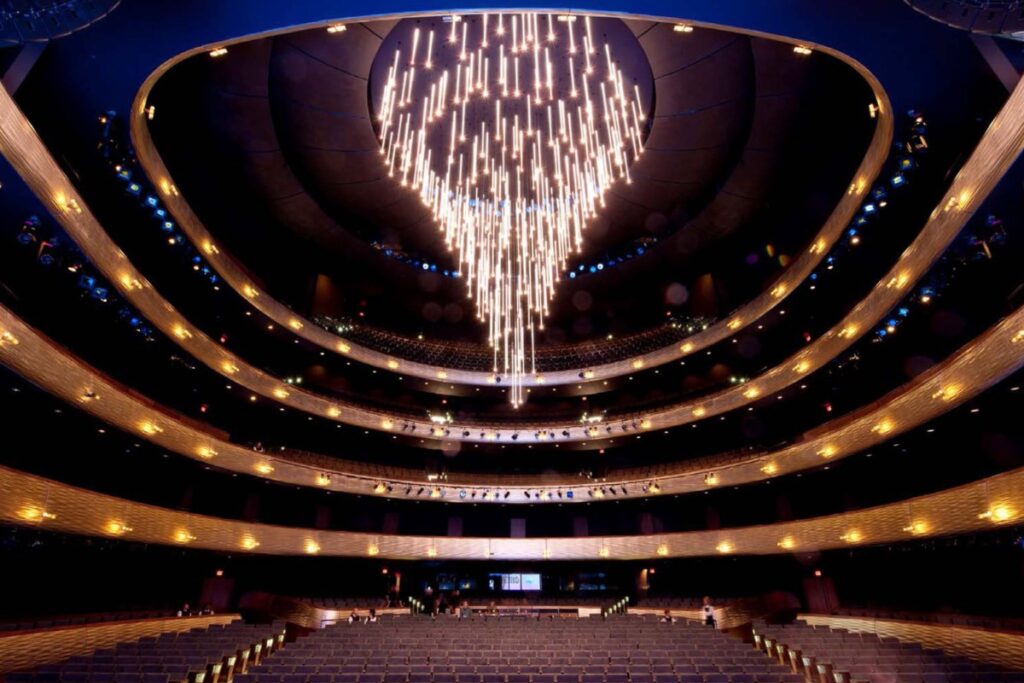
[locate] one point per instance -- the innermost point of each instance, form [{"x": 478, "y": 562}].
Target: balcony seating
[
  {"x": 81, "y": 619},
  {"x": 826, "y": 655},
  {"x": 945, "y": 618},
  {"x": 203, "y": 655}
]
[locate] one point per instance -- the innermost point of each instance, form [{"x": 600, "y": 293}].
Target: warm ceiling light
[
  {"x": 770, "y": 468},
  {"x": 264, "y": 468},
  {"x": 150, "y": 428},
  {"x": 533, "y": 165},
  {"x": 827, "y": 451},
  {"x": 66, "y": 203},
  {"x": 818, "y": 246},
  {"x": 734, "y": 324},
  {"x": 209, "y": 248},
  {"x": 898, "y": 281},
  {"x": 711, "y": 479},
  {"x": 787, "y": 543},
  {"x": 183, "y": 536},
  {"x": 598, "y": 493},
  {"x": 343, "y": 347},
  {"x": 654, "y": 488},
  {"x": 181, "y": 332},
  {"x": 435, "y": 492},
  {"x": 1017, "y": 337},
  {"x": 334, "y": 412},
  {"x": 802, "y": 50},
  {"x": 645, "y": 423},
  {"x": 700, "y": 411},
  {"x": 31, "y": 513},
  {"x": 948, "y": 392},
  {"x": 381, "y": 487},
  {"x": 393, "y": 364},
  {"x": 686, "y": 348},
  {"x": 724, "y": 547},
  {"x": 540, "y": 379},
  {"x": 7, "y": 339},
  {"x": 802, "y": 367},
  {"x": 998, "y": 514},
  {"x": 848, "y": 331},
  {"x": 778, "y": 290},
  {"x": 663, "y": 550},
  {"x": 852, "y": 536},
  {"x": 751, "y": 392},
  {"x": 337, "y": 28},
  {"x": 441, "y": 374},
  {"x": 387, "y": 424},
  {"x": 588, "y": 374},
  {"x": 604, "y": 552},
  {"x": 431, "y": 552},
  {"x": 884, "y": 426},
  {"x": 683, "y": 28},
  {"x": 280, "y": 392},
  {"x": 323, "y": 479},
  {"x": 311, "y": 547},
  {"x": 117, "y": 527},
  {"x": 250, "y": 291},
  {"x": 373, "y": 550},
  {"x": 218, "y": 52},
  {"x": 249, "y": 542},
  {"x": 917, "y": 528},
  {"x": 295, "y": 324},
  {"x": 129, "y": 282},
  {"x": 638, "y": 364},
  {"x": 205, "y": 452},
  {"x": 229, "y": 367}
]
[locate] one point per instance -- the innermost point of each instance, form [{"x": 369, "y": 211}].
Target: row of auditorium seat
[
  {"x": 410, "y": 649},
  {"x": 202, "y": 655},
  {"x": 368, "y": 602},
  {"x": 827, "y": 655}
]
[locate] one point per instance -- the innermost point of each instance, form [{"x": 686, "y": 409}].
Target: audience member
[
  {"x": 354, "y": 617},
  {"x": 667, "y": 617},
  {"x": 708, "y": 611}
]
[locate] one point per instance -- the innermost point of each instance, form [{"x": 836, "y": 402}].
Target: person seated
[
  {"x": 708, "y": 612},
  {"x": 207, "y": 610},
  {"x": 354, "y": 617},
  {"x": 372, "y": 619},
  {"x": 667, "y": 617},
  {"x": 185, "y": 611}
]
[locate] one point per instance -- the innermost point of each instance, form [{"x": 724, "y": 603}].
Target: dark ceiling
[{"x": 274, "y": 146}]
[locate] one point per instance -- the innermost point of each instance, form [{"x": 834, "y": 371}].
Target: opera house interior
[{"x": 423, "y": 342}]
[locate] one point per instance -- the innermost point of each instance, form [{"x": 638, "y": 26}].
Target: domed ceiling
[{"x": 278, "y": 152}]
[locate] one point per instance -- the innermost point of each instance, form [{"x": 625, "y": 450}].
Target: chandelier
[{"x": 510, "y": 128}]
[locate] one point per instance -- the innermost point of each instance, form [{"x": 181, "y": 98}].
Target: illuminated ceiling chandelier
[{"x": 511, "y": 128}]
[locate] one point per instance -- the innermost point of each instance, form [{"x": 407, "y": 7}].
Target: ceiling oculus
[{"x": 511, "y": 128}]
